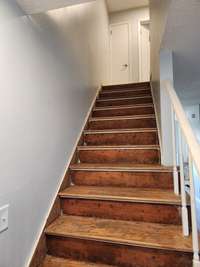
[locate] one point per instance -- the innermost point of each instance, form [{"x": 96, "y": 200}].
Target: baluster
[
  {"x": 175, "y": 171},
  {"x": 195, "y": 241},
  {"x": 183, "y": 192}
]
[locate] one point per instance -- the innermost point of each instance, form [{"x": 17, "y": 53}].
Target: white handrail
[
  {"x": 194, "y": 159},
  {"x": 184, "y": 124}
]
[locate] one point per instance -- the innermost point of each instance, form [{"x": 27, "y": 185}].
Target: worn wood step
[
  {"x": 134, "y": 195},
  {"x": 116, "y": 254},
  {"x": 122, "y": 122},
  {"x": 122, "y": 175},
  {"x": 124, "y": 101},
  {"x": 133, "y": 204},
  {"x": 126, "y": 110},
  {"x": 51, "y": 261},
  {"x": 115, "y": 232},
  {"x": 126, "y": 86},
  {"x": 123, "y": 93},
  {"x": 125, "y": 90},
  {"x": 121, "y": 137},
  {"x": 120, "y": 154}
]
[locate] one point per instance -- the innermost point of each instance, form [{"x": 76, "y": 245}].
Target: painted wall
[
  {"x": 158, "y": 17},
  {"x": 182, "y": 37},
  {"x": 166, "y": 73},
  {"x": 161, "y": 69},
  {"x": 133, "y": 17},
  {"x": 51, "y": 66}
]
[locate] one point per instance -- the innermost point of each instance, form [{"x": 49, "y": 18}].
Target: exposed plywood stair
[{"x": 120, "y": 208}]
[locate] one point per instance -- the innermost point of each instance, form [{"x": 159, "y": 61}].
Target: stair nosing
[
  {"x": 102, "y": 92},
  {"x": 118, "y": 199},
  {"x": 112, "y": 240},
  {"x": 129, "y": 83},
  {"x": 122, "y": 169},
  {"x": 116, "y": 131},
  {"x": 122, "y": 147},
  {"x": 123, "y": 107},
  {"x": 132, "y": 117},
  {"x": 124, "y": 98},
  {"x": 67, "y": 261}
]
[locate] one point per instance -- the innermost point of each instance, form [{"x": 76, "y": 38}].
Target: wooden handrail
[{"x": 186, "y": 128}]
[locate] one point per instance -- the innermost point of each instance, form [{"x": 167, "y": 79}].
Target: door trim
[
  {"x": 140, "y": 23},
  {"x": 130, "y": 62}
]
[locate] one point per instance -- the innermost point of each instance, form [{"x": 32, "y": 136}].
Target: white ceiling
[
  {"x": 120, "y": 5},
  {"x": 38, "y": 6}
]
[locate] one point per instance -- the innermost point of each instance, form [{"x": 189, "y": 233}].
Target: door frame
[
  {"x": 130, "y": 62},
  {"x": 140, "y": 23}
]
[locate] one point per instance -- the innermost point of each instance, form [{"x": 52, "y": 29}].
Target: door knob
[{"x": 125, "y": 65}]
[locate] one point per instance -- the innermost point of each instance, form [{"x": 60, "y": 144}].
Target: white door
[
  {"x": 120, "y": 67},
  {"x": 144, "y": 53}
]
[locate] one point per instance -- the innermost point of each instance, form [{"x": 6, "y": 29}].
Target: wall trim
[
  {"x": 41, "y": 230},
  {"x": 157, "y": 120}
]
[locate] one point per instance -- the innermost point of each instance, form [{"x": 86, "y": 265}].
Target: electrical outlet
[{"x": 4, "y": 218}]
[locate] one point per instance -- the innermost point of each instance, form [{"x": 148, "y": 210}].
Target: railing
[{"x": 181, "y": 130}]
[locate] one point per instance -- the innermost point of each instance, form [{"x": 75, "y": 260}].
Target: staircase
[{"x": 120, "y": 209}]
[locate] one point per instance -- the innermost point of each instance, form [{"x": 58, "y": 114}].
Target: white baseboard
[{"x": 29, "y": 258}]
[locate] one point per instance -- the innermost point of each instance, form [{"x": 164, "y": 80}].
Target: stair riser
[
  {"x": 168, "y": 214},
  {"x": 158, "y": 180},
  {"x": 122, "y": 124},
  {"x": 121, "y": 102},
  {"x": 115, "y": 254},
  {"x": 139, "y": 138},
  {"x": 126, "y": 86},
  {"x": 124, "y": 112},
  {"x": 124, "y": 94},
  {"x": 139, "y": 156}
]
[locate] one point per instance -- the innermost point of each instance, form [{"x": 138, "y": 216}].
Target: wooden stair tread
[
  {"x": 51, "y": 261},
  {"x": 135, "y": 84},
  {"x": 133, "y": 117},
  {"x": 123, "y": 107},
  {"x": 122, "y": 194},
  {"x": 136, "y": 130},
  {"x": 124, "y": 91},
  {"x": 120, "y": 166},
  {"x": 123, "y": 147},
  {"x": 151, "y": 235},
  {"x": 123, "y": 98}
]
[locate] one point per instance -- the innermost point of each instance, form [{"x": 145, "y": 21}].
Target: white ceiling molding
[
  {"x": 39, "y": 6},
  {"x": 120, "y": 5}
]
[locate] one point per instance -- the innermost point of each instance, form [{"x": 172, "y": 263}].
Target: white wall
[
  {"x": 161, "y": 69},
  {"x": 158, "y": 17},
  {"x": 166, "y": 73},
  {"x": 132, "y": 16},
  {"x": 51, "y": 66}
]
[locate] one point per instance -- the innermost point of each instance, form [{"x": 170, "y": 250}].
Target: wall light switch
[{"x": 4, "y": 218}]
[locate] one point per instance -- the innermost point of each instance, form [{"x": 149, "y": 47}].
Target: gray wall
[
  {"x": 51, "y": 66},
  {"x": 182, "y": 36}
]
